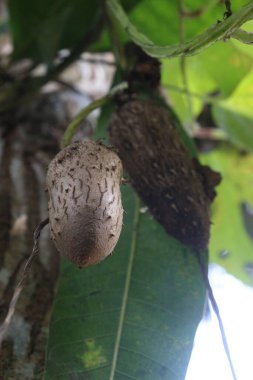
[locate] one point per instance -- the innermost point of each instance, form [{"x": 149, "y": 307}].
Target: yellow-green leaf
[
  {"x": 235, "y": 114},
  {"x": 230, "y": 244}
]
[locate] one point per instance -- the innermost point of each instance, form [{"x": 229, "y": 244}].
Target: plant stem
[
  {"x": 228, "y": 12},
  {"x": 208, "y": 133},
  {"x": 205, "y": 98},
  {"x": 70, "y": 131},
  {"x": 18, "y": 289},
  {"x": 221, "y": 30}
]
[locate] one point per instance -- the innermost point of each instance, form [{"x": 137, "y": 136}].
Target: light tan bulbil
[{"x": 85, "y": 210}]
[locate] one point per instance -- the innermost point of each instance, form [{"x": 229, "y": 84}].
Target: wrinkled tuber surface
[
  {"x": 175, "y": 187},
  {"x": 85, "y": 209}
]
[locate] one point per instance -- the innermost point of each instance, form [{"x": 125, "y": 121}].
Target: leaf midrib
[{"x": 126, "y": 289}]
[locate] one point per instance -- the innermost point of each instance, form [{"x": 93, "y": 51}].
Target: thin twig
[
  {"x": 97, "y": 61},
  {"x": 204, "y": 272},
  {"x": 203, "y": 97},
  {"x": 208, "y": 133},
  {"x": 20, "y": 284},
  {"x": 228, "y": 12}
]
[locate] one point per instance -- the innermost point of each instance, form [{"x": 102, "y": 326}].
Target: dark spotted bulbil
[
  {"x": 85, "y": 210},
  {"x": 177, "y": 188}
]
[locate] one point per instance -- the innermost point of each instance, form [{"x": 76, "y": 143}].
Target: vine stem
[
  {"x": 4, "y": 326},
  {"x": 70, "y": 131},
  {"x": 221, "y": 30},
  {"x": 208, "y": 133},
  {"x": 203, "y": 97}
]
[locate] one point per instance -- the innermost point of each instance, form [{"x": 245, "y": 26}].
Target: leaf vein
[{"x": 126, "y": 290}]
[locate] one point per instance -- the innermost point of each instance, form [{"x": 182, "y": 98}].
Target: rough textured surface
[
  {"x": 85, "y": 209},
  {"x": 175, "y": 187}
]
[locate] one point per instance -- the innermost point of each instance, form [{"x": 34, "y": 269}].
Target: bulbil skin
[
  {"x": 176, "y": 187},
  {"x": 85, "y": 209}
]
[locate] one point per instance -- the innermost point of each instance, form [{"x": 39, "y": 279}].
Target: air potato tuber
[
  {"x": 177, "y": 189},
  {"x": 85, "y": 210}
]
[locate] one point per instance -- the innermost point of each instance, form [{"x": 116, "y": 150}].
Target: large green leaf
[
  {"x": 235, "y": 114},
  {"x": 40, "y": 28},
  {"x": 225, "y": 64},
  {"x": 163, "y": 25},
  {"x": 132, "y": 316},
  {"x": 231, "y": 245}
]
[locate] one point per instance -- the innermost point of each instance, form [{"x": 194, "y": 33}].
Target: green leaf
[
  {"x": 132, "y": 316},
  {"x": 135, "y": 314},
  {"x": 235, "y": 114},
  {"x": 199, "y": 83},
  {"x": 216, "y": 32},
  {"x": 225, "y": 65},
  {"x": 163, "y": 24},
  {"x": 41, "y": 28},
  {"x": 228, "y": 233}
]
